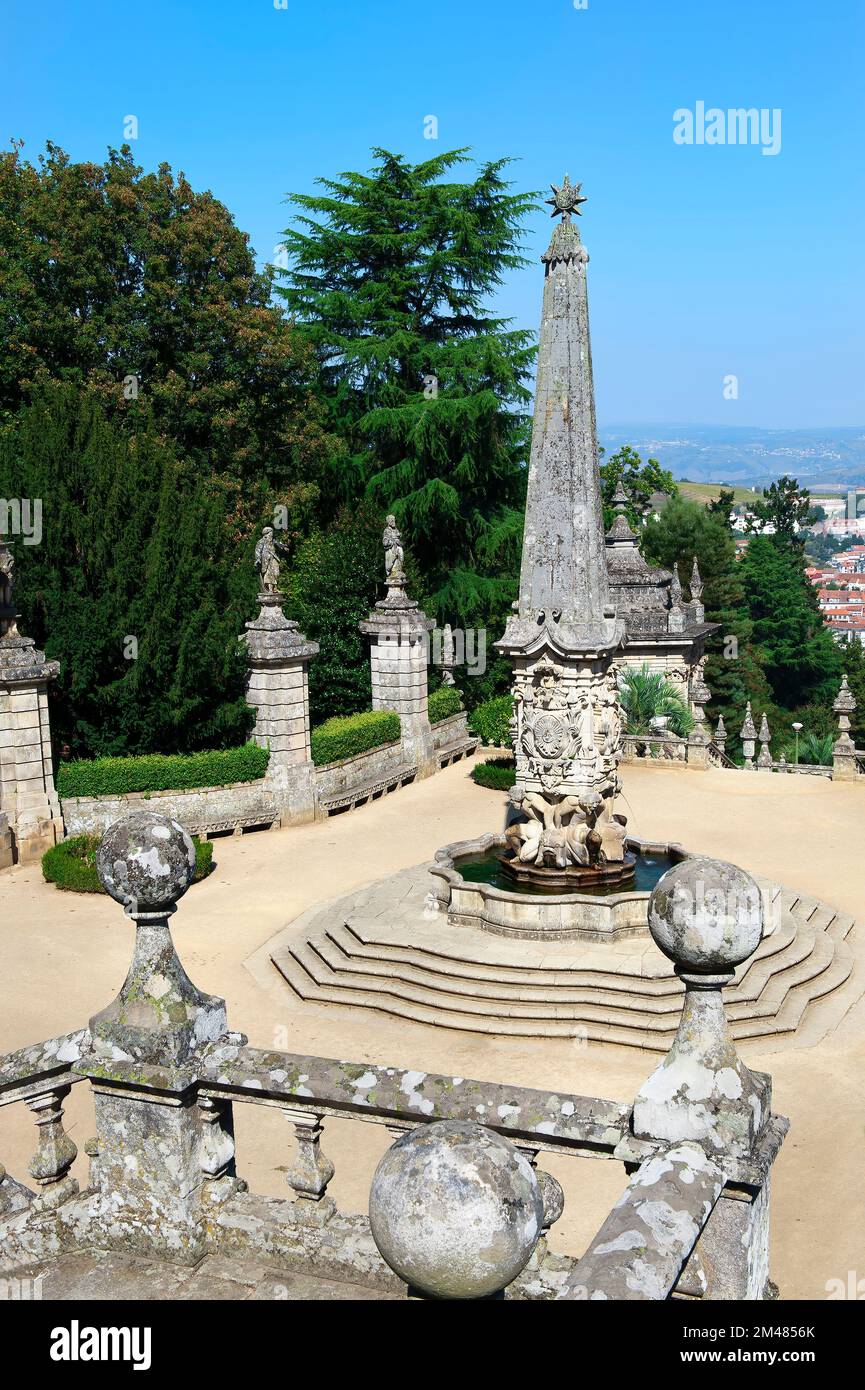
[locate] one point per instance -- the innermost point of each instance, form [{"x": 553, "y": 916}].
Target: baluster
[
  {"x": 91, "y": 1148},
  {"x": 554, "y": 1203},
  {"x": 218, "y": 1149},
  {"x": 312, "y": 1169},
  {"x": 55, "y": 1153}
]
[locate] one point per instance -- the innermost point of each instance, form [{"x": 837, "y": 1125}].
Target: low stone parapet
[
  {"x": 365, "y": 777},
  {"x": 452, "y": 739},
  {"x": 205, "y": 810},
  {"x": 166, "y": 1072}
]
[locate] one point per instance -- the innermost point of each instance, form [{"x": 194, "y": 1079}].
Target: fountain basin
[{"x": 472, "y": 889}]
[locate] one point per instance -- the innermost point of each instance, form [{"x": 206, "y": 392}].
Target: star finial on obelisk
[{"x": 566, "y": 199}]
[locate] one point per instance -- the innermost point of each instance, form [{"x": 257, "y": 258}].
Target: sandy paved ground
[{"x": 62, "y": 957}]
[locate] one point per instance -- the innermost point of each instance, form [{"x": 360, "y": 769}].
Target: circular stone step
[{"x": 385, "y": 949}]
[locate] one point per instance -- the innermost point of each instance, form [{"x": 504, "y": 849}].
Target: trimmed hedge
[
  {"x": 162, "y": 772},
  {"x": 443, "y": 703},
  {"x": 345, "y": 736},
  {"x": 490, "y": 721},
  {"x": 71, "y": 865},
  {"x": 498, "y": 776}
]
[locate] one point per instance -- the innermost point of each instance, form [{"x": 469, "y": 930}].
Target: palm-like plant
[
  {"x": 645, "y": 695},
  {"x": 815, "y": 750}
]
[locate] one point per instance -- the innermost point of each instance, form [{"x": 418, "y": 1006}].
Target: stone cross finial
[
  {"x": 707, "y": 917},
  {"x": 147, "y": 862}
]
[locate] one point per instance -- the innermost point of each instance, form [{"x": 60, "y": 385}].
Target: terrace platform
[{"x": 63, "y": 955}]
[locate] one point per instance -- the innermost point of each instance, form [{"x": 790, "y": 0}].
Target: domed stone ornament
[
  {"x": 147, "y": 862},
  {"x": 707, "y": 917},
  {"x": 455, "y": 1210}
]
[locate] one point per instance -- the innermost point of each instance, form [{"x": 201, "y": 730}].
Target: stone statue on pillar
[
  {"x": 267, "y": 560},
  {"x": 399, "y": 657},
  {"x": 278, "y": 654}
]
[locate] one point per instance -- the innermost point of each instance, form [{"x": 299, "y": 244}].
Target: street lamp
[{"x": 796, "y": 728}]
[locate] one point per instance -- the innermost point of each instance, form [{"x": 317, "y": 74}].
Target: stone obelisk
[{"x": 566, "y": 726}]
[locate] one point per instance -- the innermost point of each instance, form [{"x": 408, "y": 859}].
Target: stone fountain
[
  {"x": 540, "y": 928},
  {"x": 564, "y": 838},
  {"x": 561, "y": 639}
]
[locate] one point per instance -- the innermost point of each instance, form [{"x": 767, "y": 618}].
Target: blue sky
[{"x": 708, "y": 261}]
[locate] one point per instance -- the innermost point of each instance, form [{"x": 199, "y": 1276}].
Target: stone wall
[
  {"x": 451, "y": 737},
  {"x": 204, "y": 810},
  {"x": 353, "y": 780},
  {"x": 208, "y": 810}
]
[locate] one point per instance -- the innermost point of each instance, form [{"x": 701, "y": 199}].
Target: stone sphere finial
[
  {"x": 455, "y": 1210},
  {"x": 706, "y": 915},
  {"x": 146, "y": 861}
]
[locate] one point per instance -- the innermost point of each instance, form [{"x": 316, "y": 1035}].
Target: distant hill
[{"x": 745, "y": 457}]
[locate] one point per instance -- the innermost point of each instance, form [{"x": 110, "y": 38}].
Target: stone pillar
[
  {"x": 698, "y": 742},
  {"x": 278, "y": 690},
  {"x": 707, "y": 917},
  {"x": 764, "y": 757},
  {"x": 153, "y": 1156},
  {"x": 720, "y": 739},
  {"x": 676, "y": 614},
  {"x": 748, "y": 735},
  {"x": 844, "y": 767},
  {"x": 398, "y": 631},
  {"x": 28, "y": 800}
]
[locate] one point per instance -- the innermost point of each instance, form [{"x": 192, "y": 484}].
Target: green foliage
[
  {"x": 332, "y": 584},
  {"x": 734, "y": 671},
  {"x": 814, "y": 749},
  {"x": 389, "y": 278},
  {"x": 110, "y": 273},
  {"x": 820, "y": 549},
  {"x": 490, "y": 721},
  {"x": 853, "y": 658},
  {"x": 71, "y": 865},
  {"x": 498, "y": 775},
  {"x": 346, "y": 736},
  {"x": 801, "y": 660},
  {"x": 646, "y": 695},
  {"x": 723, "y": 504},
  {"x": 787, "y": 507},
  {"x": 160, "y": 406},
  {"x": 443, "y": 703},
  {"x": 156, "y": 772},
  {"x": 639, "y": 479},
  {"x": 136, "y": 588}
]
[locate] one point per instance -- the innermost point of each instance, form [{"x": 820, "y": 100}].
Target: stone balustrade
[{"x": 166, "y": 1072}]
